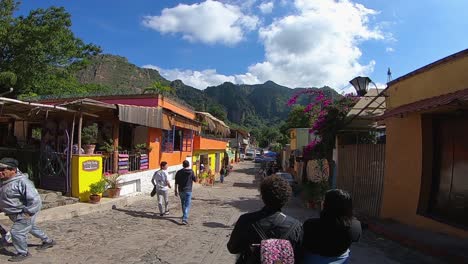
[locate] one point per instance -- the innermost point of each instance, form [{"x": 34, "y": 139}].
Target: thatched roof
[{"x": 212, "y": 123}]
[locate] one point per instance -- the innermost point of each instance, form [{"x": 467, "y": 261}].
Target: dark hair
[
  {"x": 337, "y": 208},
  {"x": 275, "y": 191},
  {"x": 185, "y": 164},
  {"x": 163, "y": 164}
]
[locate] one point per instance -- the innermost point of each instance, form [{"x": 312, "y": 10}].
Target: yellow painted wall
[
  {"x": 403, "y": 172},
  {"x": 211, "y": 154},
  {"x": 81, "y": 179},
  {"x": 293, "y": 136},
  {"x": 442, "y": 79}
]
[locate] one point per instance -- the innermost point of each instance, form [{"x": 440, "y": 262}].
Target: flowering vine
[{"x": 327, "y": 117}]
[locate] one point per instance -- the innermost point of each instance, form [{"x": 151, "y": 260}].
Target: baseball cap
[{"x": 8, "y": 163}]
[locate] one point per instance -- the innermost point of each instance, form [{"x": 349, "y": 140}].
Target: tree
[
  {"x": 40, "y": 48},
  {"x": 159, "y": 88},
  {"x": 217, "y": 111}
]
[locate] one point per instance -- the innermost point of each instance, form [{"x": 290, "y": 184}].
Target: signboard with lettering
[{"x": 90, "y": 165}]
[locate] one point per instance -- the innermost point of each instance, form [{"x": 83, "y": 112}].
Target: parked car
[{"x": 249, "y": 156}]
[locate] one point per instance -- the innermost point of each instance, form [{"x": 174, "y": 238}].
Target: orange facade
[
  {"x": 176, "y": 108},
  {"x": 156, "y": 155},
  {"x": 201, "y": 143}
]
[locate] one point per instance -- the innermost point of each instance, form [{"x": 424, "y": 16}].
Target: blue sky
[{"x": 299, "y": 43}]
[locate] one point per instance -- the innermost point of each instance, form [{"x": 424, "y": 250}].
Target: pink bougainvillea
[{"x": 326, "y": 115}]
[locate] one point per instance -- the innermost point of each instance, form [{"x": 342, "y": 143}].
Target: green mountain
[{"x": 245, "y": 105}]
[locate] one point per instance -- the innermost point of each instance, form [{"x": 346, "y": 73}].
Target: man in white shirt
[{"x": 162, "y": 185}]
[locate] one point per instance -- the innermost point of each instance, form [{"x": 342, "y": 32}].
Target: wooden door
[{"x": 449, "y": 200}]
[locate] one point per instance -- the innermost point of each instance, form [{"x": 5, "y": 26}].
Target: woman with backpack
[
  {"x": 268, "y": 235},
  {"x": 327, "y": 239}
]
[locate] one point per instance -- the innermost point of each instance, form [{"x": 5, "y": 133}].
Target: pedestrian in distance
[
  {"x": 222, "y": 174},
  {"x": 21, "y": 202},
  {"x": 251, "y": 228},
  {"x": 184, "y": 180},
  {"x": 327, "y": 239},
  {"x": 162, "y": 185}
]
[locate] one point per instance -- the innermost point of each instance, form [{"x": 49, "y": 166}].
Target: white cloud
[
  {"x": 317, "y": 45},
  {"x": 266, "y": 7},
  {"x": 204, "y": 78},
  {"x": 207, "y": 22},
  {"x": 389, "y": 49}
]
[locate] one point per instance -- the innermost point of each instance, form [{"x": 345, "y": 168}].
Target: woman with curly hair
[
  {"x": 275, "y": 192},
  {"x": 327, "y": 239}
]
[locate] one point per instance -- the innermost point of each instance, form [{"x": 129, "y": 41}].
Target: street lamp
[{"x": 360, "y": 84}]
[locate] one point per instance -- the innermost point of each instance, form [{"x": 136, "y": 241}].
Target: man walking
[
  {"x": 162, "y": 185},
  {"x": 21, "y": 202},
  {"x": 183, "y": 187}
]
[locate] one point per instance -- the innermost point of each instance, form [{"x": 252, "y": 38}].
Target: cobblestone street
[{"x": 136, "y": 233}]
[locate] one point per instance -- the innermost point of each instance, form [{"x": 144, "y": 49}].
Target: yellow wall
[
  {"x": 211, "y": 154},
  {"x": 403, "y": 174},
  {"x": 293, "y": 136},
  {"x": 82, "y": 179},
  {"x": 403, "y": 171},
  {"x": 442, "y": 79}
]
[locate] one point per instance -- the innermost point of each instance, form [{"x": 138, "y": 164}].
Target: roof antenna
[{"x": 389, "y": 75}]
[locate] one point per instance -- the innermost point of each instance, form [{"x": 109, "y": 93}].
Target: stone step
[{"x": 52, "y": 199}]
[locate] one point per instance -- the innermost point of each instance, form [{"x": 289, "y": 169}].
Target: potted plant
[
  {"x": 142, "y": 148},
  {"x": 89, "y": 138},
  {"x": 112, "y": 180},
  {"x": 96, "y": 189},
  {"x": 107, "y": 146}
]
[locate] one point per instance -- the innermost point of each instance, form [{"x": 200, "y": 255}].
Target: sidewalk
[
  {"x": 79, "y": 209},
  {"x": 448, "y": 248}
]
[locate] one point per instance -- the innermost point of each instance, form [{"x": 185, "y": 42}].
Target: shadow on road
[
  {"x": 150, "y": 215},
  {"x": 5, "y": 252},
  {"x": 215, "y": 225}
]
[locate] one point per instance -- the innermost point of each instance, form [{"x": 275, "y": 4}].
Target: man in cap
[{"x": 21, "y": 202}]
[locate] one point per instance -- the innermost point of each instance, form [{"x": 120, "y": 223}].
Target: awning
[
  {"x": 213, "y": 124},
  {"x": 22, "y": 110},
  {"x": 141, "y": 115},
  {"x": 171, "y": 119},
  {"x": 459, "y": 97}
]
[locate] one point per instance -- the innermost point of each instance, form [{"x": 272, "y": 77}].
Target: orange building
[
  {"x": 145, "y": 130},
  {"x": 426, "y": 183}
]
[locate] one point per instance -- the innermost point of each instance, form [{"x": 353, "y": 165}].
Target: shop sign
[{"x": 91, "y": 165}]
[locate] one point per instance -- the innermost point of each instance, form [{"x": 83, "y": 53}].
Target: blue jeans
[
  {"x": 186, "y": 201},
  {"x": 221, "y": 178},
  {"x": 21, "y": 228}
]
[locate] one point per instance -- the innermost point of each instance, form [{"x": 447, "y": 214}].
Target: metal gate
[{"x": 361, "y": 170}]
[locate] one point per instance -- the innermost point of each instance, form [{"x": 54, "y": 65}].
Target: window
[
  {"x": 187, "y": 141},
  {"x": 178, "y": 140},
  {"x": 167, "y": 141}
]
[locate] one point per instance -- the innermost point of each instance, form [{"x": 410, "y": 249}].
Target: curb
[
  {"x": 79, "y": 209},
  {"x": 418, "y": 245}
]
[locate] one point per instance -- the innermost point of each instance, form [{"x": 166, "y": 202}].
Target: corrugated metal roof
[
  {"x": 141, "y": 115},
  {"x": 426, "y": 104}
]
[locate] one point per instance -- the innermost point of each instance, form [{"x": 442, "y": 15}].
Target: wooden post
[
  {"x": 80, "y": 126},
  {"x": 115, "y": 142}
]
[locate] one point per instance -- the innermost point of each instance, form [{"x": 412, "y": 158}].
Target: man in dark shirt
[
  {"x": 275, "y": 192},
  {"x": 183, "y": 188}
]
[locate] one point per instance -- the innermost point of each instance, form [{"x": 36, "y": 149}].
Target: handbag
[{"x": 153, "y": 192}]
